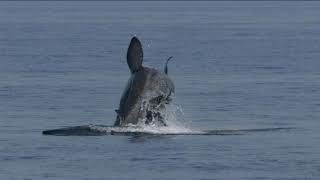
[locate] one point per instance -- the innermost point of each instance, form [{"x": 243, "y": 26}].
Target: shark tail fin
[{"x": 166, "y": 65}]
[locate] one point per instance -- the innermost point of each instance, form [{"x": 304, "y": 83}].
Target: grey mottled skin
[{"x": 146, "y": 93}]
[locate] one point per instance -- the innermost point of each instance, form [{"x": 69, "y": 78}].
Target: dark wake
[{"x": 101, "y": 130}]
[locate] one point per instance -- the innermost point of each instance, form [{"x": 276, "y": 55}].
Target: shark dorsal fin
[{"x": 135, "y": 55}]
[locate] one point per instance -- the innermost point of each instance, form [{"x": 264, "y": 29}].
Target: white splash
[{"x": 173, "y": 125}]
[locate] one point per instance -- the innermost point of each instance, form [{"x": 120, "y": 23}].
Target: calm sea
[{"x": 236, "y": 65}]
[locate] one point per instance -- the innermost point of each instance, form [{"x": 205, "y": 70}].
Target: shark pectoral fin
[
  {"x": 135, "y": 55},
  {"x": 166, "y": 65}
]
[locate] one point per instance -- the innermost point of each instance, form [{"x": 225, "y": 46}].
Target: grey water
[{"x": 236, "y": 65}]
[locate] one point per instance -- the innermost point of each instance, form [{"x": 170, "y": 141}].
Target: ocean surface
[{"x": 236, "y": 65}]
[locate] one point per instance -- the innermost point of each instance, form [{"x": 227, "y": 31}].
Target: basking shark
[
  {"x": 147, "y": 91},
  {"x": 143, "y": 102}
]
